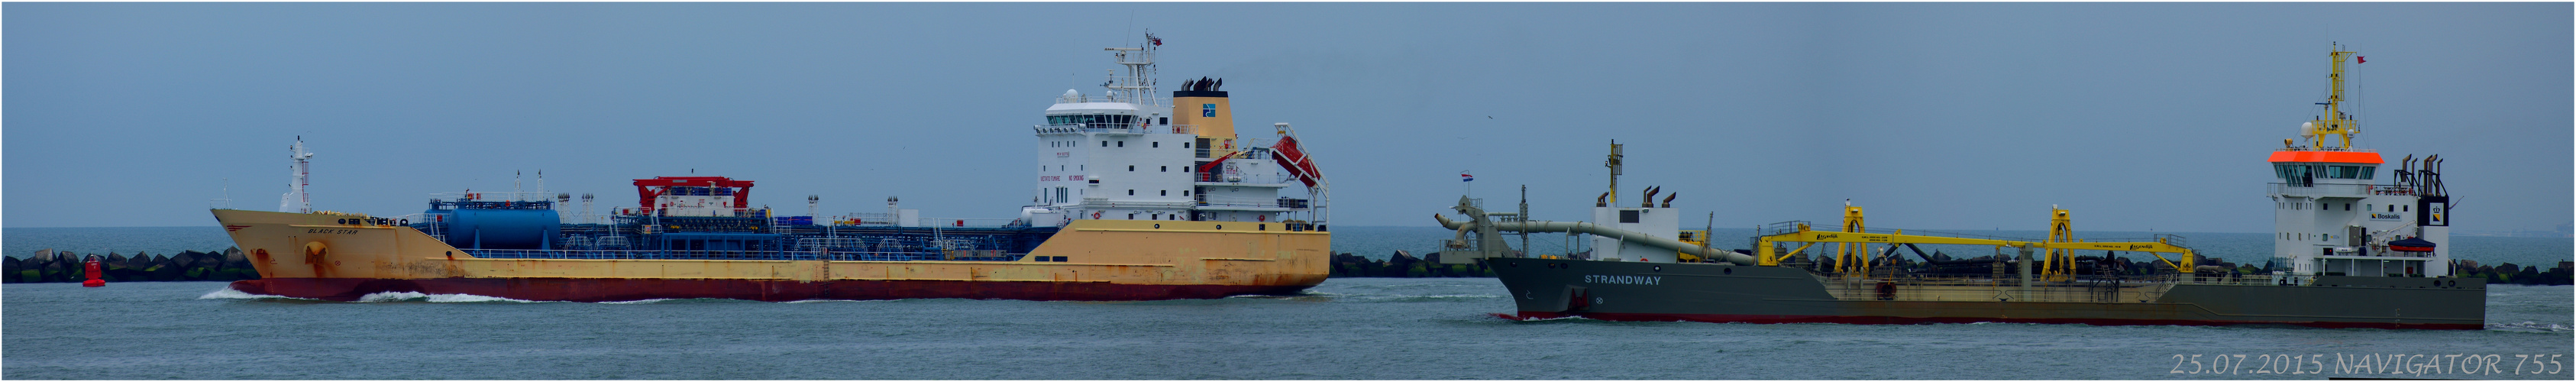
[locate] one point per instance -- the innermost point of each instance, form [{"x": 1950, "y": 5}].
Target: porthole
[
  {"x": 1730, "y": 271},
  {"x": 1158, "y": 226}
]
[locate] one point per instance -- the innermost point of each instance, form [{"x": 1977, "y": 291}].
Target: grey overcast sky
[{"x": 1935, "y": 116}]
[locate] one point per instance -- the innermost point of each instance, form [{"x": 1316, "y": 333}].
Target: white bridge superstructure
[
  {"x": 2332, "y": 215},
  {"x": 1129, "y": 154}
]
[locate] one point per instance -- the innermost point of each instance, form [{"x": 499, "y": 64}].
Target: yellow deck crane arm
[{"x": 1766, "y": 256}]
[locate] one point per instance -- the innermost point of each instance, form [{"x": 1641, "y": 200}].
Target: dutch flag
[{"x": 1463, "y": 177}]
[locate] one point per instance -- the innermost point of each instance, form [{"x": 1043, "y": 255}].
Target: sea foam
[
  {"x": 417, "y": 296},
  {"x": 227, "y": 293}
]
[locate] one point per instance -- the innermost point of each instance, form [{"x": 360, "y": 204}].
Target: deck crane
[{"x": 2060, "y": 262}]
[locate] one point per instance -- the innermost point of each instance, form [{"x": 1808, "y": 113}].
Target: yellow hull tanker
[
  {"x": 327, "y": 256},
  {"x": 1210, "y": 221}
]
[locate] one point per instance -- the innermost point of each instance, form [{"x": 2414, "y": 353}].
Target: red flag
[{"x": 2360, "y": 60}]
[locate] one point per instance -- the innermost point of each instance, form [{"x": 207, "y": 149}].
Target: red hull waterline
[
  {"x": 1868, "y": 320},
  {"x": 608, "y": 290}
]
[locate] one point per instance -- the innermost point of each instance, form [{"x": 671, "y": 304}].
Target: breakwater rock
[
  {"x": 49, "y": 266},
  {"x": 2508, "y": 273},
  {"x": 1403, "y": 264}
]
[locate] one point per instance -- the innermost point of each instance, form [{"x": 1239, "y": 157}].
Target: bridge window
[
  {"x": 1093, "y": 119},
  {"x": 1158, "y": 144}
]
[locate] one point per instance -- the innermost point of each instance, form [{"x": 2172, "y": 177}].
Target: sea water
[{"x": 1347, "y": 328}]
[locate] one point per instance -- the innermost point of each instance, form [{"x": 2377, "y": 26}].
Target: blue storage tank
[{"x": 478, "y": 228}]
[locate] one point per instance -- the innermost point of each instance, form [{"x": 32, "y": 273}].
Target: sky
[{"x": 1933, "y": 116}]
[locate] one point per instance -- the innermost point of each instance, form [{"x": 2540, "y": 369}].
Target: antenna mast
[
  {"x": 1614, "y": 164},
  {"x": 2334, "y": 121},
  {"x": 295, "y": 199},
  {"x": 1137, "y": 86}
]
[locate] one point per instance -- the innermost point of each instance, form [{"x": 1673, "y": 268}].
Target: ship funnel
[
  {"x": 1668, "y": 199},
  {"x": 1205, "y": 110}
]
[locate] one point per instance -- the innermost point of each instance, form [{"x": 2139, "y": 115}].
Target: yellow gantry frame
[
  {"x": 1766, "y": 254},
  {"x": 2060, "y": 230},
  {"x": 1852, "y": 257}
]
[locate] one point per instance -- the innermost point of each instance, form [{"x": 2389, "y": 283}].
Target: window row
[
  {"x": 2346, "y": 207},
  {"x": 2311, "y": 171},
  {"x": 1132, "y": 168},
  {"x": 1091, "y": 119},
  {"x": 1132, "y": 192},
  {"x": 1108, "y": 144}
]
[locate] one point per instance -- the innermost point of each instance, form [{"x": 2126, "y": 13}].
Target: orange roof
[{"x": 2326, "y": 156}]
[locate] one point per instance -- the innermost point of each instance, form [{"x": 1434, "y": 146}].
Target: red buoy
[{"x": 93, "y": 272}]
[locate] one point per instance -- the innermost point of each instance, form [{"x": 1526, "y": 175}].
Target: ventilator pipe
[
  {"x": 1600, "y": 230},
  {"x": 1603, "y": 201},
  {"x": 1668, "y": 199},
  {"x": 1649, "y": 201}
]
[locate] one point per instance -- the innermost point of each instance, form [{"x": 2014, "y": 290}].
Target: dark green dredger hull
[{"x": 1717, "y": 292}]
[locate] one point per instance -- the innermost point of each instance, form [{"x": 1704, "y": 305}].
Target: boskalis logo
[
  {"x": 1629, "y": 280},
  {"x": 2379, "y": 216}
]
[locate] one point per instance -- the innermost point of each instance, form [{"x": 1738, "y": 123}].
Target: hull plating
[
  {"x": 606, "y": 290},
  {"x": 1551, "y": 288},
  {"x": 315, "y": 256}
]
